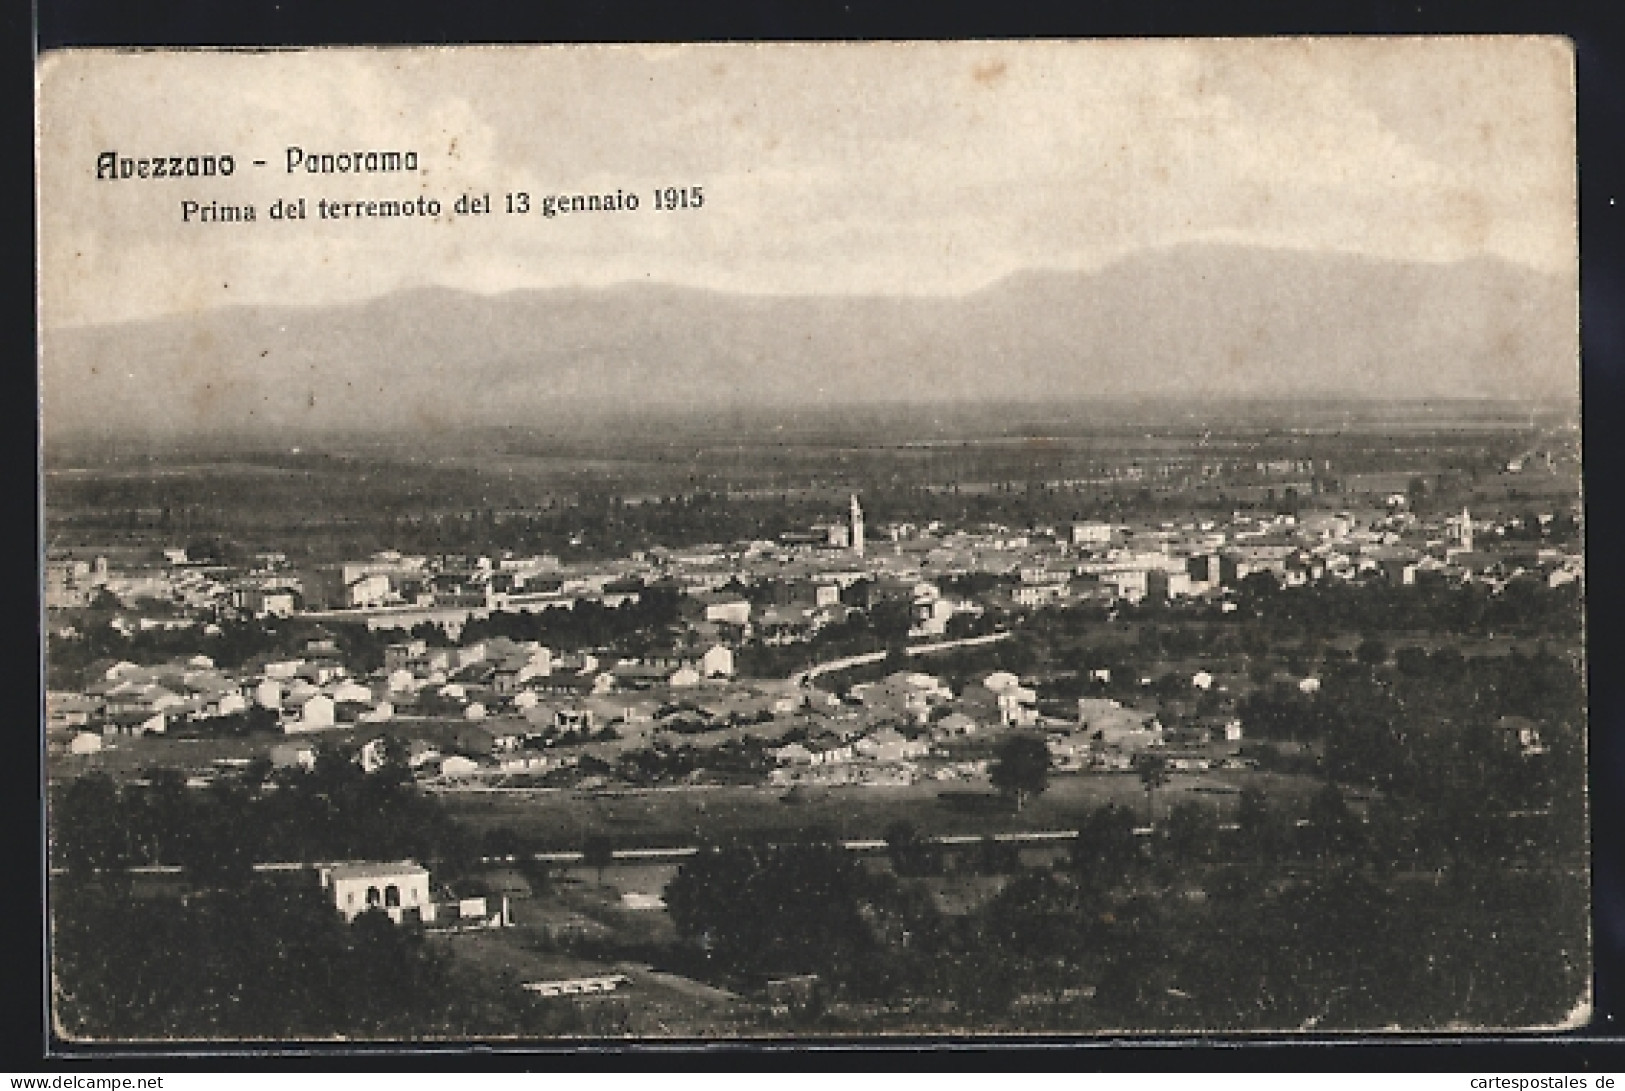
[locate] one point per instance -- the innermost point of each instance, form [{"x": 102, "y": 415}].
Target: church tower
[
  {"x": 857, "y": 527},
  {"x": 1466, "y": 530}
]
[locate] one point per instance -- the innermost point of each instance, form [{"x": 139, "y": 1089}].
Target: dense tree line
[
  {"x": 260, "y": 959},
  {"x": 1525, "y": 606},
  {"x": 1289, "y": 926},
  {"x": 334, "y": 811},
  {"x": 270, "y": 958}
]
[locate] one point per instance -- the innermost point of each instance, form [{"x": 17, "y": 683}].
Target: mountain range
[{"x": 1188, "y": 322}]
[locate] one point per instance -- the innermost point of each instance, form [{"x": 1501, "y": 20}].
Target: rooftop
[{"x": 375, "y": 871}]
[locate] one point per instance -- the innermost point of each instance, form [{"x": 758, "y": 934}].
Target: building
[
  {"x": 717, "y": 662},
  {"x": 289, "y": 755},
  {"x": 1034, "y": 595},
  {"x": 857, "y": 527},
  {"x": 1091, "y": 534},
  {"x": 370, "y": 590},
  {"x": 315, "y": 713},
  {"x": 730, "y": 611},
  {"x": 266, "y": 601},
  {"x": 1113, "y": 727},
  {"x": 1013, "y": 700},
  {"x": 400, "y": 889},
  {"x": 578, "y": 986},
  {"x": 85, "y": 742},
  {"x": 889, "y": 744}
]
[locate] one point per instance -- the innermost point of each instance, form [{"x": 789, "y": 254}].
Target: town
[
  {"x": 956, "y": 705},
  {"x": 523, "y": 711}
]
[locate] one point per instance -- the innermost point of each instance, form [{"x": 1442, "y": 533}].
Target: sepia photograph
[{"x": 799, "y": 542}]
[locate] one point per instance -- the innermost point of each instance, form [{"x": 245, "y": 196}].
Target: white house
[
  {"x": 231, "y": 703},
  {"x": 831, "y": 752},
  {"x": 352, "y": 693},
  {"x": 86, "y": 742},
  {"x": 1014, "y": 700},
  {"x": 401, "y": 890},
  {"x": 315, "y": 713},
  {"x": 792, "y": 754},
  {"x": 287, "y": 755},
  {"x": 278, "y": 603},
  {"x": 1091, "y": 534},
  {"x": 889, "y": 744},
  {"x": 540, "y": 664},
  {"x": 729, "y": 612},
  {"x": 370, "y": 590},
  {"x": 717, "y": 662}
]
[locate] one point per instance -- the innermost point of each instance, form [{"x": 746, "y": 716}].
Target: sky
[{"x": 827, "y": 169}]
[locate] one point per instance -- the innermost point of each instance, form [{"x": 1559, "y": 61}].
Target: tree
[
  {"x": 88, "y": 826},
  {"x": 1153, "y": 770},
  {"x": 1372, "y": 652},
  {"x": 911, "y": 854},
  {"x": 1413, "y": 662},
  {"x": 797, "y": 908},
  {"x": 1190, "y": 831},
  {"x": 1258, "y": 824},
  {"x": 598, "y": 852},
  {"x": 1416, "y": 490},
  {"x": 1105, "y": 848},
  {"x": 1332, "y": 828},
  {"x": 1020, "y": 768}
]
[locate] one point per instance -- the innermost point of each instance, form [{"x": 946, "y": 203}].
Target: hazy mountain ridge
[{"x": 1196, "y": 321}]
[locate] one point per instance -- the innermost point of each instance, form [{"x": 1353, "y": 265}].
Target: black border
[{"x": 1600, "y": 74}]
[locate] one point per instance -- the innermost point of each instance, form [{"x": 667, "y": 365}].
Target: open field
[
  {"x": 650, "y": 1001},
  {"x": 127, "y": 758},
  {"x": 563, "y": 820}
]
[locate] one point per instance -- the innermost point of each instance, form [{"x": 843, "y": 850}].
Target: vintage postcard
[{"x": 797, "y": 541}]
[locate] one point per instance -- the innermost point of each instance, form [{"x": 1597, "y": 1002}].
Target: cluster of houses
[
  {"x": 315, "y": 691},
  {"x": 785, "y": 591},
  {"x": 909, "y": 726},
  {"x": 515, "y": 701},
  {"x": 121, "y": 698},
  {"x": 1104, "y": 562},
  {"x": 500, "y": 708}
]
